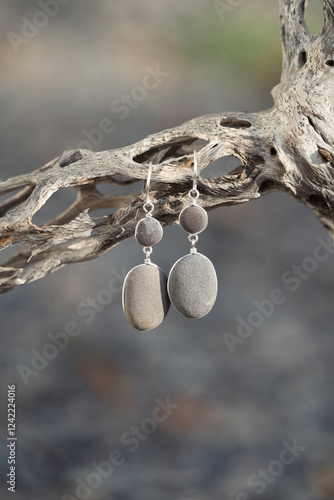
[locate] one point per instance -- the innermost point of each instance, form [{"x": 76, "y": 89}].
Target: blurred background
[{"x": 194, "y": 413}]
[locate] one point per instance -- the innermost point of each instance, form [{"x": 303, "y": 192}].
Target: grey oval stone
[
  {"x": 193, "y": 219},
  {"x": 145, "y": 297},
  {"x": 192, "y": 285},
  {"x": 148, "y": 232}
]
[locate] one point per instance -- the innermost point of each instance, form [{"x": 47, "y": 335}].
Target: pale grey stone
[
  {"x": 192, "y": 285},
  {"x": 145, "y": 297}
]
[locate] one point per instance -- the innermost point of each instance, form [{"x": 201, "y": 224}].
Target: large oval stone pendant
[
  {"x": 145, "y": 297},
  {"x": 192, "y": 285}
]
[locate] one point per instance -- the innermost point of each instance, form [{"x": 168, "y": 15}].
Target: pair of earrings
[{"x": 192, "y": 282}]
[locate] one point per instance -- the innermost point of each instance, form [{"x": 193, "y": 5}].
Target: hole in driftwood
[
  {"x": 314, "y": 16},
  {"x": 120, "y": 197},
  {"x": 196, "y": 145},
  {"x": 312, "y": 124},
  {"x": 228, "y": 165},
  {"x": 235, "y": 123},
  {"x": 267, "y": 186},
  {"x": 8, "y": 252},
  {"x": 55, "y": 205},
  {"x": 282, "y": 28},
  {"x": 179, "y": 146},
  {"x": 12, "y": 198},
  {"x": 108, "y": 189},
  {"x": 70, "y": 157},
  {"x": 302, "y": 58},
  {"x": 273, "y": 152},
  {"x": 101, "y": 212},
  {"x": 5, "y": 196},
  {"x": 330, "y": 62},
  {"x": 325, "y": 155},
  {"x": 318, "y": 201}
]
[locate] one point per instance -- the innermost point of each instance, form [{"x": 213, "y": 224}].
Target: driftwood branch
[{"x": 289, "y": 148}]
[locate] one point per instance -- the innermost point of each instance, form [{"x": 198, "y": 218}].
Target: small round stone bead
[
  {"x": 148, "y": 232},
  {"x": 193, "y": 219}
]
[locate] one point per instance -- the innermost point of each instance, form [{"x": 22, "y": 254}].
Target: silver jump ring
[
  {"x": 148, "y": 208},
  {"x": 193, "y": 194},
  {"x": 147, "y": 251},
  {"x": 193, "y": 238}
]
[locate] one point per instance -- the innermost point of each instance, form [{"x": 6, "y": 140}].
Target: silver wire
[
  {"x": 148, "y": 205},
  {"x": 194, "y": 193},
  {"x": 195, "y": 171}
]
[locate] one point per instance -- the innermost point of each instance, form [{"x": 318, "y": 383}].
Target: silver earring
[
  {"x": 145, "y": 298},
  {"x": 192, "y": 282}
]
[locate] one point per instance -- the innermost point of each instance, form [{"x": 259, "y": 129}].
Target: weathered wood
[{"x": 289, "y": 148}]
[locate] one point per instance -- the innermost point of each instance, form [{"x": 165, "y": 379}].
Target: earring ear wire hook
[
  {"x": 195, "y": 172},
  {"x": 194, "y": 193},
  {"x": 148, "y": 183},
  {"x": 148, "y": 205}
]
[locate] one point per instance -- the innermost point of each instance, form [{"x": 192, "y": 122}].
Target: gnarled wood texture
[{"x": 289, "y": 148}]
